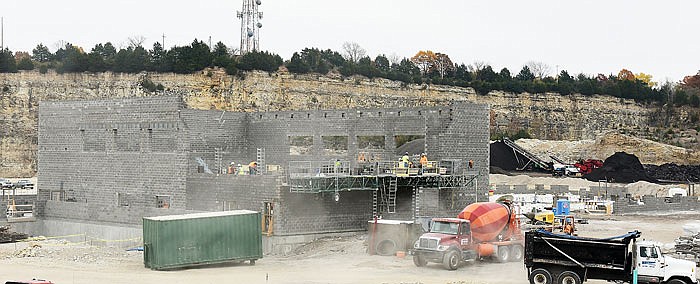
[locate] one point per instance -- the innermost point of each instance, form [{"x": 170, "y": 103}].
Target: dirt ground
[{"x": 331, "y": 260}]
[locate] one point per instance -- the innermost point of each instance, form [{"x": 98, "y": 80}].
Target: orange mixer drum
[{"x": 487, "y": 219}]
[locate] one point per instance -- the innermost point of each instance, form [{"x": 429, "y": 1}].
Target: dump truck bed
[{"x": 608, "y": 258}]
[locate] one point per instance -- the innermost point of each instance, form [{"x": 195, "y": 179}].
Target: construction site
[
  {"x": 360, "y": 189},
  {"x": 104, "y": 165}
]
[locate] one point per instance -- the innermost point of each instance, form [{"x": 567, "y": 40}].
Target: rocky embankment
[{"x": 544, "y": 116}]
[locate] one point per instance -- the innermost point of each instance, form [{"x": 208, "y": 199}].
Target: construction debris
[
  {"x": 688, "y": 247},
  {"x": 7, "y": 236}
]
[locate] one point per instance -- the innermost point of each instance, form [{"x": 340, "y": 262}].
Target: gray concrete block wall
[
  {"x": 92, "y": 151},
  {"x": 653, "y": 203},
  {"x": 465, "y": 136},
  {"x": 303, "y": 213},
  {"x": 95, "y": 151}
]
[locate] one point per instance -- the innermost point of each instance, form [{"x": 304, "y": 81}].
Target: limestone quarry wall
[{"x": 545, "y": 116}]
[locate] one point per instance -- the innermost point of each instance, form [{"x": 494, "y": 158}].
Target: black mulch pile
[
  {"x": 673, "y": 172},
  {"x": 620, "y": 167},
  {"x": 503, "y": 156}
]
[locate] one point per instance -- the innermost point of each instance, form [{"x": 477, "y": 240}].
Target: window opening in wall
[
  {"x": 342, "y": 115},
  {"x": 57, "y": 195},
  {"x": 439, "y": 112},
  {"x": 122, "y": 199},
  {"x": 291, "y": 115},
  {"x": 300, "y": 145},
  {"x": 371, "y": 142},
  {"x": 414, "y": 144},
  {"x": 335, "y": 145},
  {"x": 420, "y": 113},
  {"x": 260, "y": 116},
  {"x": 325, "y": 115},
  {"x": 379, "y": 114},
  {"x": 150, "y": 133},
  {"x": 398, "y": 113},
  {"x": 163, "y": 201},
  {"x": 229, "y": 205},
  {"x": 360, "y": 114},
  {"x": 275, "y": 116},
  {"x": 308, "y": 115},
  {"x": 268, "y": 217}
]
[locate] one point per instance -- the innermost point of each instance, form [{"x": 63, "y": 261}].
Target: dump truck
[
  {"x": 553, "y": 258},
  {"x": 481, "y": 230}
]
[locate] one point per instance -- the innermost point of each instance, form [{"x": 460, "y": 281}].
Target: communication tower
[{"x": 250, "y": 24}]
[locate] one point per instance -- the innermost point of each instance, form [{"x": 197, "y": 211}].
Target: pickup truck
[{"x": 552, "y": 258}]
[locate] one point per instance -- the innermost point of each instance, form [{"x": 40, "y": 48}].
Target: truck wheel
[
  {"x": 569, "y": 277},
  {"x": 419, "y": 260},
  {"x": 516, "y": 253},
  {"x": 252, "y": 262},
  {"x": 451, "y": 260},
  {"x": 502, "y": 254},
  {"x": 540, "y": 276},
  {"x": 676, "y": 281}
]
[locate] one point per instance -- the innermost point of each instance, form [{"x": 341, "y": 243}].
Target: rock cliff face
[{"x": 544, "y": 116}]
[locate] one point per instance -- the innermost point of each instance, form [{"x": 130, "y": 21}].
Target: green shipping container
[{"x": 201, "y": 238}]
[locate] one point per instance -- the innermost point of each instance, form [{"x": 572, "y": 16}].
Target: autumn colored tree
[
  {"x": 692, "y": 81},
  {"x": 646, "y": 78},
  {"x": 625, "y": 74},
  {"x": 424, "y": 60}
]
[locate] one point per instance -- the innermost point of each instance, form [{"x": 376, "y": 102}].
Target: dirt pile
[
  {"x": 674, "y": 172},
  {"x": 607, "y": 144},
  {"x": 620, "y": 167}
]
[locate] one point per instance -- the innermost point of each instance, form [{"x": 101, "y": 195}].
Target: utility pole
[
  {"x": 209, "y": 43},
  {"x": 163, "y": 41},
  {"x": 2, "y": 33}
]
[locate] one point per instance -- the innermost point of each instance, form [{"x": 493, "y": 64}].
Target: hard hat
[{"x": 406, "y": 153}]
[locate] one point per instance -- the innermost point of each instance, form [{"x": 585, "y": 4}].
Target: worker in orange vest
[{"x": 253, "y": 167}]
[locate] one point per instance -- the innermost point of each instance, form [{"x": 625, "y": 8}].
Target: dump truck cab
[
  {"x": 448, "y": 242},
  {"x": 655, "y": 267}
]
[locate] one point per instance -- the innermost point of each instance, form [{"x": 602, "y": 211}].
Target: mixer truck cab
[
  {"x": 447, "y": 242},
  {"x": 481, "y": 230}
]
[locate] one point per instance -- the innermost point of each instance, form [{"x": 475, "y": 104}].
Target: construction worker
[
  {"x": 471, "y": 164},
  {"x": 253, "y": 168},
  {"x": 336, "y": 166},
  {"x": 423, "y": 162},
  {"x": 231, "y": 169},
  {"x": 405, "y": 159}
]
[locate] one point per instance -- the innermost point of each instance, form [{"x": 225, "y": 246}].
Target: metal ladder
[
  {"x": 260, "y": 159},
  {"x": 391, "y": 196},
  {"x": 218, "y": 161},
  {"x": 375, "y": 204}
]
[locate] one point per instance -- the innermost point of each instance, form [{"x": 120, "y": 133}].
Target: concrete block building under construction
[{"x": 105, "y": 164}]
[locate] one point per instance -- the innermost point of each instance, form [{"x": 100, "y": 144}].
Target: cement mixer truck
[{"x": 481, "y": 230}]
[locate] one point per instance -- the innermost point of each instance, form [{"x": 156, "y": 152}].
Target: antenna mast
[{"x": 250, "y": 24}]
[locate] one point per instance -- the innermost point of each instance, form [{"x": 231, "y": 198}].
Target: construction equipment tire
[
  {"x": 386, "y": 247},
  {"x": 503, "y": 254},
  {"x": 569, "y": 277},
  {"x": 540, "y": 276},
  {"x": 516, "y": 253},
  {"x": 419, "y": 260},
  {"x": 451, "y": 260}
]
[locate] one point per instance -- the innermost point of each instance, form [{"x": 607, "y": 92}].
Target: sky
[{"x": 583, "y": 36}]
